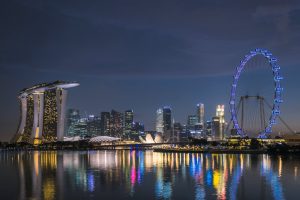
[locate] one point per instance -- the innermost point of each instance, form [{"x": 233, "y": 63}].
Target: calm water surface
[{"x": 147, "y": 175}]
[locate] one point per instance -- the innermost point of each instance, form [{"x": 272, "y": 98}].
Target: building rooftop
[
  {"x": 103, "y": 139},
  {"x": 45, "y": 86}
]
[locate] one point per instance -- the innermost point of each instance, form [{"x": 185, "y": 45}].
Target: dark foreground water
[{"x": 147, "y": 175}]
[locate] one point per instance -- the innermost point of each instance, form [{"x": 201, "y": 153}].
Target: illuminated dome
[{"x": 104, "y": 139}]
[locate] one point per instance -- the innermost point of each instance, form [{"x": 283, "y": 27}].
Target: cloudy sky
[{"x": 143, "y": 54}]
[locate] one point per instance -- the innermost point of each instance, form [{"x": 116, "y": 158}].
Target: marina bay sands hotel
[{"x": 43, "y": 109}]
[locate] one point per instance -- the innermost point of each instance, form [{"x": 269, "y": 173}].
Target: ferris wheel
[{"x": 277, "y": 97}]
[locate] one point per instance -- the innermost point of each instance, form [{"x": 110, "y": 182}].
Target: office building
[
  {"x": 138, "y": 129},
  {"x": 80, "y": 127},
  {"x": 93, "y": 125},
  {"x": 105, "y": 123},
  {"x": 220, "y": 112},
  {"x": 191, "y": 124},
  {"x": 164, "y": 122},
  {"x": 159, "y": 121},
  {"x": 177, "y": 132},
  {"x": 200, "y": 113},
  {"x": 128, "y": 123},
  {"x": 217, "y": 129},
  {"x": 73, "y": 117},
  {"x": 116, "y": 124},
  {"x": 167, "y": 114}
]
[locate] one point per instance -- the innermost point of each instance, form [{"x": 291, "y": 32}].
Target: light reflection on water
[{"x": 146, "y": 174}]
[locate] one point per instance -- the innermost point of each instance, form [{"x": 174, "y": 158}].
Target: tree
[{"x": 254, "y": 144}]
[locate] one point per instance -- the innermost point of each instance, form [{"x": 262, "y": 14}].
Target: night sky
[{"x": 141, "y": 55}]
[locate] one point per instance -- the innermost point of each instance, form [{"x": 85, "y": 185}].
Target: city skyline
[
  {"x": 145, "y": 55},
  {"x": 149, "y": 99},
  {"x": 85, "y": 114}
]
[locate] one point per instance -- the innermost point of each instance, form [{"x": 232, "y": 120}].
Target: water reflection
[
  {"x": 137, "y": 174},
  {"x": 273, "y": 179}
]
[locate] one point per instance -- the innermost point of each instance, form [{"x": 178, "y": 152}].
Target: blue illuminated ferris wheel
[{"x": 277, "y": 100}]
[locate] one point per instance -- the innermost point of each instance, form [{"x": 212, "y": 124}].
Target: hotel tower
[{"x": 43, "y": 109}]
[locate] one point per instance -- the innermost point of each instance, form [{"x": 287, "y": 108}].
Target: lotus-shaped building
[{"x": 150, "y": 140}]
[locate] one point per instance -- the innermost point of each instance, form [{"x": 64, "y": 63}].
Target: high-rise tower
[
  {"x": 159, "y": 121},
  {"x": 218, "y": 123},
  {"x": 167, "y": 114},
  {"x": 116, "y": 123},
  {"x": 220, "y": 113},
  {"x": 73, "y": 117},
  {"x": 128, "y": 123},
  {"x": 105, "y": 123},
  {"x": 43, "y": 109},
  {"x": 164, "y": 121},
  {"x": 200, "y": 113}
]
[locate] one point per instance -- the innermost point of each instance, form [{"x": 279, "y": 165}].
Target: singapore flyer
[{"x": 277, "y": 97}]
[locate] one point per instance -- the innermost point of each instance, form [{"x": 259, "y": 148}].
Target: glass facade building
[
  {"x": 128, "y": 124},
  {"x": 200, "y": 113}
]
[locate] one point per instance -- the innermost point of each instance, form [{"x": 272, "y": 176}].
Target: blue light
[
  {"x": 235, "y": 182},
  {"x": 275, "y": 68},
  {"x": 278, "y": 78},
  {"x": 274, "y": 181},
  {"x": 276, "y": 112},
  {"x": 268, "y": 54},
  {"x": 278, "y": 101},
  {"x": 91, "y": 182},
  {"x": 209, "y": 177},
  {"x": 277, "y": 95}
]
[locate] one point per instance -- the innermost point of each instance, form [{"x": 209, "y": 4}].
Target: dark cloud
[{"x": 143, "y": 37}]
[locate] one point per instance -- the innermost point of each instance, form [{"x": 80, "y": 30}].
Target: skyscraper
[
  {"x": 200, "y": 113},
  {"x": 105, "y": 123},
  {"x": 43, "y": 112},
  {"x": 73, "y": 116},
  {"x": 177, "y": 132},
  {"x": 164, "y": 121},
  {"x": 159, "y": 120},
  {"x": 191, "y": 124},
  {"x": 208, "y": 128},
  {"x": 218, "y": 123},
  {"x": 138, "y": 129},
  {"x": 116, "y": 124},
  {"x": 128, "y": 123},
  {"x": 93, "y": 125},
  {"x": 80, "y": 127},
  {"x": 167, "y": 114},
  {"x": 216, "y": 128},
  {"x": 220, "y": 113}
]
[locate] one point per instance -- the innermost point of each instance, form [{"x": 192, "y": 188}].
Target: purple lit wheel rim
[{"x": 277, "y": 91}]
